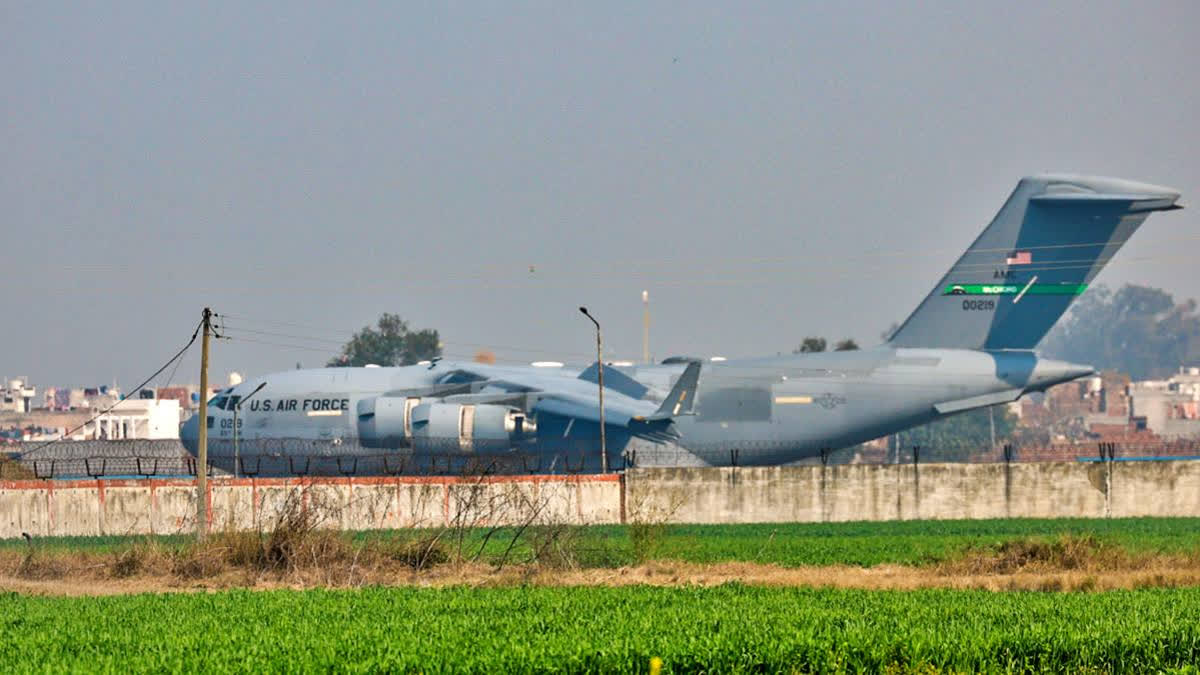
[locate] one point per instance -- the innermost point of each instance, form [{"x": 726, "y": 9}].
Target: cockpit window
[
  {"x": 233, "y": 401},
  {"x": 219, "y": 402}
]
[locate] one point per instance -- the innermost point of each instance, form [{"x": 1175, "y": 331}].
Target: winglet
[{"x": 683, "y": 395}]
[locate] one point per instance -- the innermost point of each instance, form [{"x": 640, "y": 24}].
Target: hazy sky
[{"x": 767, "y": 171}]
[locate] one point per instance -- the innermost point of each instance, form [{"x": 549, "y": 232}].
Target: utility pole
[
  {"x": 646, "y": 327},
  {"x": 202, "y": 434},
  {"x": 600, "y": 380}
]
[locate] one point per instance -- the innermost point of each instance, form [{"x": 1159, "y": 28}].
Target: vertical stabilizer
[{"x": 1049, "y": 240}]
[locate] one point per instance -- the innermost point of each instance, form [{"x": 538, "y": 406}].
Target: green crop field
[
  {"x": 729, "y": 628},
  {"x": 789, "y": 544},
  {"x": 909, "y": 542}
]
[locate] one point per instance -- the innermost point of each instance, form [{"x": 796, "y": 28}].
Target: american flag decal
[{"x": 1019, "y": 258}]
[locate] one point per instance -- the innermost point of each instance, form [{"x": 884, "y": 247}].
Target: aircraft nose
[{"x": 189, "y": 433}]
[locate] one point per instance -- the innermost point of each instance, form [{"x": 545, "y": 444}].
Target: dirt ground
[{"x": 98, "y": 579}]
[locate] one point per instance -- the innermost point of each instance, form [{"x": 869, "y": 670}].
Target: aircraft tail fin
[
  {"x": 682, "y": 397},
  {"x": 1049, "y": 240}
]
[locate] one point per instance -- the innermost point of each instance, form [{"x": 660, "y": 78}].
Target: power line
[
  {"x": 234, "y": 337},
  {"x": 155, "y": 374},
  {"x": 796, "y": 373},
  {"x": 342, "y": 342}
]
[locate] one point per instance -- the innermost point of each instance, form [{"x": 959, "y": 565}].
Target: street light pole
[
  {"x": 600, "y": 381},
  {"x": 236, "y": 409},
  {"x": 646, "y": 327}
]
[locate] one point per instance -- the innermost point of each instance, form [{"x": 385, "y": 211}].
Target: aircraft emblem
[{"x": 829, "y": 401}]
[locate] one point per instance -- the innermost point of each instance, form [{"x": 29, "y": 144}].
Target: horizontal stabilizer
[{"x": 959, "y": 405}]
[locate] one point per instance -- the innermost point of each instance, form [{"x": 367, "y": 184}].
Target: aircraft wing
[
  {"x": 620, "y": 414},
  {"x": 573, "y": 398}
]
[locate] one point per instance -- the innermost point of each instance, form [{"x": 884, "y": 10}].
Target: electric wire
[
  {"x": 962, "y": 267},
  {"x": 795, "y": 374},
  {"x": 452, "y": 355},
  {"x": 341, "y": 342},
  {"x": 178, "y": 356}
]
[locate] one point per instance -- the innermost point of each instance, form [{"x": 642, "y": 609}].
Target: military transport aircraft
[{"x": 968, "y": 345}]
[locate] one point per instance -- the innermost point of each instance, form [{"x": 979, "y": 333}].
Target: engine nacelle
[
  {"x": 454, "y": 427},
  {"x": 386, "y": 421}
]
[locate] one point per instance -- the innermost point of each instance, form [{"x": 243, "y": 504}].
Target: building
[
  {"x": 1170, "y": 407},
  {"x": 1089, "y": 408},
  {"x": 135, "y": 418},
  {"x": 17, "y": 395},
  {"x": 187, "y": 395}
]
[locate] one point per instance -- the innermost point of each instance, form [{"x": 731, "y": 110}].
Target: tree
[
  {"x": 389, "y": 343},
  {"x": 958, "y": 437},
  {"x": 819, "y": 344},
  {"x": 888, "y": 332},
  {"x": 1137, "y": 330},
  {"x": 810, "y": 344}
]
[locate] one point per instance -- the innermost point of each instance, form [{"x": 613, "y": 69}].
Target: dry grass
[
  {"x": 298, "y": 556},
  {"x": 294, "y": 550},
  {"x": 36, "y": 563},
  {"x": 13, "y": 470},
  {"x": 1083, "y": 553},
  {"x": 82, "y": 576},
  {"x": 295, "y": 547}
]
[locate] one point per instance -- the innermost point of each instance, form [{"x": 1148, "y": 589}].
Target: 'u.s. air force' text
[{"x": 300, "y": 404}]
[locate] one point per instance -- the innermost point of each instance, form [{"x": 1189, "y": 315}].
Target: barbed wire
[{"x": 282, "y": 457}]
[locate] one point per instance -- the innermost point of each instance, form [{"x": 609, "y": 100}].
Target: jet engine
[
  {"x": 386, "y": 421},
  {"x": 454, "y": 427}
]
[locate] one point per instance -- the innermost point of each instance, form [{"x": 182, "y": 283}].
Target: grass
[
  {"x": 912, "y": 542},
  {"x": 730, "y": 628},
  {"x": 866, "y": 544}
]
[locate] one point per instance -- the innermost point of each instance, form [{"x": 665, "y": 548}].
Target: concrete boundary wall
[
  {"x": 124, "y": 507},
  {"x": 688, "y": 495},
  {"x": 907, "y": 492}
]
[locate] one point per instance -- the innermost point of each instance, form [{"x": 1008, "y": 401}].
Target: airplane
[{"x": 968, "y": 345}]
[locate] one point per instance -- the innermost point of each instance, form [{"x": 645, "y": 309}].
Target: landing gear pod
[{"x": 452, "y": 427}]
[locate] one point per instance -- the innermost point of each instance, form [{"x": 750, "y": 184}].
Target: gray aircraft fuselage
[{"x": 769, "y": 410}]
